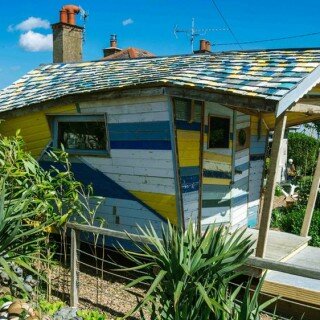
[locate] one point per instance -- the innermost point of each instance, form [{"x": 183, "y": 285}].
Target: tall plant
[
  {"x": 189, "y": 275},
  {"x": 33, "y": 200}
]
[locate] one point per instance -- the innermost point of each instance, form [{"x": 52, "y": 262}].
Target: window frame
[
  {"x": 210, "y": 115},
  {"x": 98, "y": 117}
]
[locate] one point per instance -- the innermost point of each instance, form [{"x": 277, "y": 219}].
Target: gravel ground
[{"x": 110, "y": 297}]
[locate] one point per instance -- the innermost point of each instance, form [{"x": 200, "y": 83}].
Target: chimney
[
  {"x": 113, "y": 46},
  {"x": 205, "y": 47},
  {"x": 67, "y": 36}
]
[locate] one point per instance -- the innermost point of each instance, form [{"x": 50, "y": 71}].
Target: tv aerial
[{"x": 192, "y": 33}]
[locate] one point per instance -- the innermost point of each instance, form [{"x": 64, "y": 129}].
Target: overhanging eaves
[{"x": 299, "y": 91}]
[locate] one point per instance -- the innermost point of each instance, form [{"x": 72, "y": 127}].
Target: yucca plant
[{"x": 188, "y": 275}]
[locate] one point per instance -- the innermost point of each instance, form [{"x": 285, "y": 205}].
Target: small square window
[
  {"x": 81, "y": 134},
  {"x": 219, "y": 132}
]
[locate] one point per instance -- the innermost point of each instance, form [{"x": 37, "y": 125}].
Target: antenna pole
[{"x": 193, "y": 32}]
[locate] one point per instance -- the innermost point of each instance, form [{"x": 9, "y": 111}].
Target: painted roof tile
[{"x": 266, "y": 74}]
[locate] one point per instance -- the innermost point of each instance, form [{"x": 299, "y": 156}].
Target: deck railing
[{"x": 253, "y": 263}]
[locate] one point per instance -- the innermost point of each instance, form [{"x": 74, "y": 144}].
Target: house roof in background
[
  {"x": 270, "y": 75},
  {"x": 129, "y": 53}
]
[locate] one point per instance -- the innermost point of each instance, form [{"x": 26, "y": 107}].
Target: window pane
[
  {"x": 82, "y": 135},
  {"x": 219, "y": 132}
]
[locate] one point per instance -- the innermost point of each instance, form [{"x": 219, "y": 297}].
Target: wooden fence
[{"x": 252, "y": 262}]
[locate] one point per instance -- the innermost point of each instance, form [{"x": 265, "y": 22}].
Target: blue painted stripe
[
  {"x": 142, "y": 144},
  {"x": 216, "y": 174},
  {"x": 189, "y": 171},
  {"x": 140, "y": 126},
  {"x": 216, "y": 188},
  {"x": 102, "y": 185},
  {"x": 216, "y": 203},
  {"x": 241, "y": 184},
  {"x": 242, "y": 167},
  {"x": 240, "y": 200},
  {"x": 190, "y": 183},
  {"x": 255, "y": 157},
  {"x": 123, "y": 136},
  {"x": 185, "y": 125}
]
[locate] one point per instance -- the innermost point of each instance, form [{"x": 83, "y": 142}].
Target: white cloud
[
  {"x": 34, "y": 41},
  {"x": 127, "y": 22},
  {"x": 30, "y": 24},
  {"x": 10, "y": 28}
]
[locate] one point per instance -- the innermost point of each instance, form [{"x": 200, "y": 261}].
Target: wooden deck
[
  {"x": 281, "y": 246},
  {"x": 285, "y": 247},
  {"x": 295, "y": 287}
]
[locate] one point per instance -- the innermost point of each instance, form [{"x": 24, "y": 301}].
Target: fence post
[{"x": 74, "y": 261}]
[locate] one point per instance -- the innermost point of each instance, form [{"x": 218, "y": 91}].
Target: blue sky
[{"x": 151, "y": 27}]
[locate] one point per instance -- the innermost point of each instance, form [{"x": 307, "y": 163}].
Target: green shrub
[
  {"x": 303, "y": 149},
  {"x": 32, "y": 201},
  {"x": 91, "y": 315},
  {"x": 188, "y": 275},
  {"x": 291, "y": 219}
]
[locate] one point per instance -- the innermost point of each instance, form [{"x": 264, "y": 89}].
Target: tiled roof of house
[
  {"x": 129, "y": 53},
  {"x": 266, "y": 74}
]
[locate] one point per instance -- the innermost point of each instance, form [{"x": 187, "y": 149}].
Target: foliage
[
  {"x": 189, "y": 274},
  {"x": 32, "y": 201},
  {"x": 291, "y": 219},
  {"x": 303, "y": 149},
  {"x": 91, "y": 315},
  {"x": 314, "y": 126},
  {"x": 278, "y": 191},
  {"x": 50, "y": 308}
]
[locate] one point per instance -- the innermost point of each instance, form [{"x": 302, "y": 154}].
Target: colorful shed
[{"x": 179, "y": 137}]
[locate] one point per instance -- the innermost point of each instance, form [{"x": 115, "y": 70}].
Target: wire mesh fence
[
  {"x": 100, "y": 281},
  {"x": 89, "y": 274}
]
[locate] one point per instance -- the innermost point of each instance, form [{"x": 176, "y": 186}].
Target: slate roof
[
  {"x": 129, "y": 53},
  {"x": 266, "y": 74}
]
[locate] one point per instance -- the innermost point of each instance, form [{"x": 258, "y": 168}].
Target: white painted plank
[{"x": 142, "y": 154}]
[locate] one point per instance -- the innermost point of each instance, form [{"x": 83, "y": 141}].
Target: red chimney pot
[{"x": 67, "y": 14}]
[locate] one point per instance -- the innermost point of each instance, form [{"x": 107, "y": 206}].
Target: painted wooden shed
[{"x": 179, "y": 137}]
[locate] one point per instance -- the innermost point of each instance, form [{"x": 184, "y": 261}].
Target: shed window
[
  {"x": 219, "y": 132},
  {"x": 83, "y": 134}
]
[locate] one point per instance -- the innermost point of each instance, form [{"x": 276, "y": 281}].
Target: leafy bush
[
  {"x": 303, "y": 149},
  {"x": 189, "y": 275},
  {"x": 291, "y": 219},
  {"x": 32, "y": 201},
  {"x": 91, "y": 315}
]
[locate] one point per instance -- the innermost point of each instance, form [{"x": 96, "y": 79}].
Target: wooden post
[
  {"x": 74, "y": 259},
  {"x": 266, "y": 212},
  {"x": 311, "y": 201}
]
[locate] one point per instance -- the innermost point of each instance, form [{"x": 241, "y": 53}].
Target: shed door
[{"x": 240, "y": 185}]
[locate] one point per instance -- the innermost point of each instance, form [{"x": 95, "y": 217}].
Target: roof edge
[{"x": 299, "y": 91}]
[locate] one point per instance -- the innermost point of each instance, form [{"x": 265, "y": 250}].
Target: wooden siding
[
  {"x": 137, "y": 180},
  {"x": 257, "y": 158},
  {"x": 140, "y": 151},
  {"x": 217, "y": 173},
  {"x": 34, "y": 128},
  {"x": 240, "y": 186},
  {"x": 188, "y": 133}
]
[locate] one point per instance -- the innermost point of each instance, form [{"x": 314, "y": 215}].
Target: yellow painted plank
[
  {"x": 34, "y": 127},
  {"x": 224, "y": 182},
  {"x": 217, "y": 157},
  {"x": 164, "y": 204},
  {"x": 188, "y": 143},
  {"x": 295, "y": 293}
]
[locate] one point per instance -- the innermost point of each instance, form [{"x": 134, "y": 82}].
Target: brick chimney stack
[
  {"x": 113, "y": 46},
  {"x": 67, "y": 36},
  {"x": 205, "y": 47}
]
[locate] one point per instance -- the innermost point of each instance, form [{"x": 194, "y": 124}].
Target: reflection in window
[
  {"x": 82, "y": 135},
  {"x": 219, "y": 131}
]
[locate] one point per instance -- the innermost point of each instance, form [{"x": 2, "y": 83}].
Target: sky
[{"x": 26, "y": 40}]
